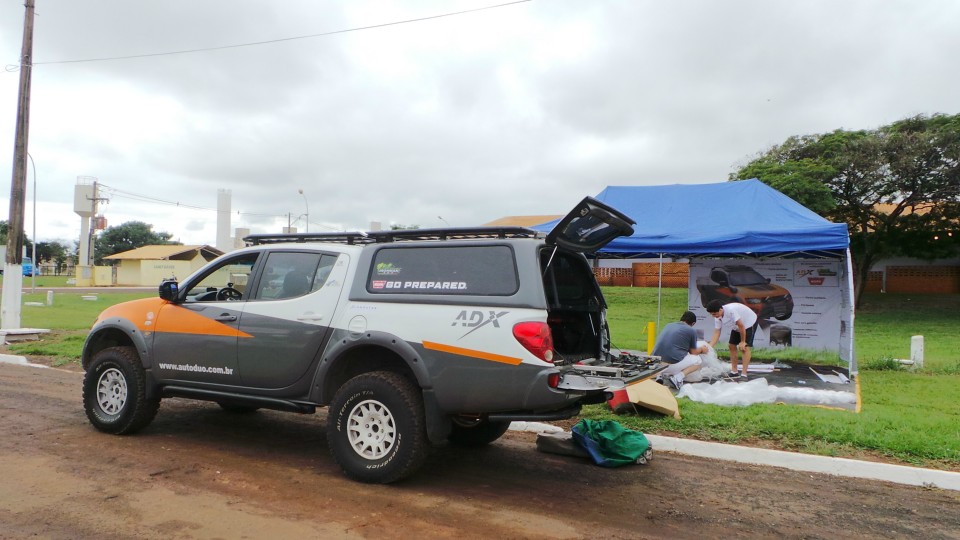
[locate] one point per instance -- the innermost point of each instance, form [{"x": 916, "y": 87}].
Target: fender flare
[
  {"x": 130, "y": 331},
  {"x": 343, "y": 343}
]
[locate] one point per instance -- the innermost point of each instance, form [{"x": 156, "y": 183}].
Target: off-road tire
[
  {"x": 376, "y": 427},
  {"x": 115, "y": 392},
  {"x": 477, "y": 432}
]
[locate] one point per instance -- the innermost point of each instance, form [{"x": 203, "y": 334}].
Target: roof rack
[{"x": 462, "y": 233}]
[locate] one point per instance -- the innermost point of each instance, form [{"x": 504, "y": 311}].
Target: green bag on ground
[{"x": 609, "y": 443}]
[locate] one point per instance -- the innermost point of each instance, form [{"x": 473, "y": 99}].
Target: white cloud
[{"x": 522, "y": 109}]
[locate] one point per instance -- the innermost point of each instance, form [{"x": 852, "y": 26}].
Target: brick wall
[
  {"x": 648, "y": 274},
  {"x": 645, "y": 275},
  {"x": 874, "y": 282},
  {"x": 923, "y": 279},
  {"x": 902, "y": 279},
  {"x": 619, "y": 277}
]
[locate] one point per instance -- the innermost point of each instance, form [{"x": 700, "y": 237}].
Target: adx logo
[{"x": 475, "y": 320}]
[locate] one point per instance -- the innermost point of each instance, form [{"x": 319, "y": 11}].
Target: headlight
[{"x": 754, "y": 300}]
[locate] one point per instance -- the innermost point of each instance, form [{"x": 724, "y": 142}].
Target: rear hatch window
[
  {"x": 590, "y": 226},
  {"x": 444, "y": 270}
]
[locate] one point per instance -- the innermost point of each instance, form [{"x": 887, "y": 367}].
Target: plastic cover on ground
[{"x": 759, "y": 391}]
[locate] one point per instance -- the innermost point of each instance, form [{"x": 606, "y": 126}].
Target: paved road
[{"x": 199, "y": 472}]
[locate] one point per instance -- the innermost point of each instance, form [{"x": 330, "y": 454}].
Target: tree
[
  {"x": 897, "y": 187},
  {"x": 127, "y": 236},
  {"x": 51, "y": 252},
  {"x": 5, "y": 229}
]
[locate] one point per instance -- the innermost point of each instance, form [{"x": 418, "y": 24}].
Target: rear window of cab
[{"x": 444, "y": 270}]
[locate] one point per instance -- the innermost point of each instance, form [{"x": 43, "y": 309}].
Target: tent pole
[
  {"x": 850, "y": 310},
  {"x": 659, "y": 290}
]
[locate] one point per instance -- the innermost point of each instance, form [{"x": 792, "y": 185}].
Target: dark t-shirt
[{"x": 675, "y": 342}]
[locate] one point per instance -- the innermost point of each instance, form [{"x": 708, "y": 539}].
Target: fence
[
  {"x": 899, "y": 279},
  {"x": 923, "y": 279},
  {"x": 645, "y": 275}
]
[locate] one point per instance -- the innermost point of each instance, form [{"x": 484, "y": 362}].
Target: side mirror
[{"x": 169, "y": 289}]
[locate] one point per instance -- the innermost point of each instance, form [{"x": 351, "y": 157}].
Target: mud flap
[{"x": 438, "y": 424}]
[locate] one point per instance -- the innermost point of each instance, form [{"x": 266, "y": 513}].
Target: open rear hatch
[
  {"x": 590, "y": 226},
  {"x": 576, "y": 311}
]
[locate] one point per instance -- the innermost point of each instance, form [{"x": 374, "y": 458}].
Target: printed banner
[{"x": 798, "y": 302}]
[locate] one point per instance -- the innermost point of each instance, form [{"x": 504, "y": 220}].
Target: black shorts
[{"x": 735, "y": 336}]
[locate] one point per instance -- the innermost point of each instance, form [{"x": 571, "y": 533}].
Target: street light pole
[{"x": 307, "y": 206}]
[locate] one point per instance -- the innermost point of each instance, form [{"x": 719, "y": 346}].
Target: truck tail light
[{"x": 536, "y": 338}]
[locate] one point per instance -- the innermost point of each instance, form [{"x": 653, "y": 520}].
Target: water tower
[{"x": 85, "y": 205}]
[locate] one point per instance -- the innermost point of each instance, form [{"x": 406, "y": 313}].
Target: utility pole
[{"x": 13, "y": 272}]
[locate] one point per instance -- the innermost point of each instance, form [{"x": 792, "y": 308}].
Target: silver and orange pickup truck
[{"x": 409, "y": 338}]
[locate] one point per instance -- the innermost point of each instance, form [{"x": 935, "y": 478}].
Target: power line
[
  {"x": 280, "y": 40},
  {"x": 123, "y": 194}
]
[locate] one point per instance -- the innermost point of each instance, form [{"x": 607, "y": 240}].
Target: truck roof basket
[{"x": 462, "y": 233}]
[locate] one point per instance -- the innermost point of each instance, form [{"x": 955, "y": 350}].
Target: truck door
[
  {"x": 289, "y": 316},
  {"x": 196, "y": 339}
]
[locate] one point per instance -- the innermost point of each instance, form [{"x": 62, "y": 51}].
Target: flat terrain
[{"x": 199, "y": 472}]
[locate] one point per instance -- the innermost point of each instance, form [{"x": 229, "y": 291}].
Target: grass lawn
[
  {"x": 911, "y": 416},
  {"x": 69, "y": 319},
  {"x": 908, "y": 416},
  {"x": 44, "y": 281}
]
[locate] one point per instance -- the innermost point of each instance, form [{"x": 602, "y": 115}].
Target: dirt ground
[{"x": 199, "y": 472}]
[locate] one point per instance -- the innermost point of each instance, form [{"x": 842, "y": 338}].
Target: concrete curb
[
  {"x": 899, "y": 474},
  {"x": 851, "y": 468},
  {"x": 17, "y": 361}
]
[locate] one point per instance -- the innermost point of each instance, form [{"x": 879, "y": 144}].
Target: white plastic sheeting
[{"x": 758, "y": 391}]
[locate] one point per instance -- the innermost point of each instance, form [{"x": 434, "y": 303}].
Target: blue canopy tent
[{"x": 745, "y": 219}]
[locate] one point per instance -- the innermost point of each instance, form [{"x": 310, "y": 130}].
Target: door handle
[
  {"x": 226, "y": 318},
  {"x": 310, "y": 317}
]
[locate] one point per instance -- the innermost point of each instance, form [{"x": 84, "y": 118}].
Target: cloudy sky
[{"x": 515, "y": 110}]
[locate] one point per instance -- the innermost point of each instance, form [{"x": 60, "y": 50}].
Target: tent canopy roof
[{"x": 744, "y": 217}]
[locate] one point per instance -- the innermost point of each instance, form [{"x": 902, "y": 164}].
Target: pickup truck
[
  {"x": 410, "y": 339},
  {"x": 743, "y": 284}
]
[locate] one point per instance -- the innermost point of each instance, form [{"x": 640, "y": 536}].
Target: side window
[
  {"x": 323, "y": 271},
  {"x": 456, "y": 270},
  {"x": 292, "y": 274},
  {"x": 227, "y": 281}
]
